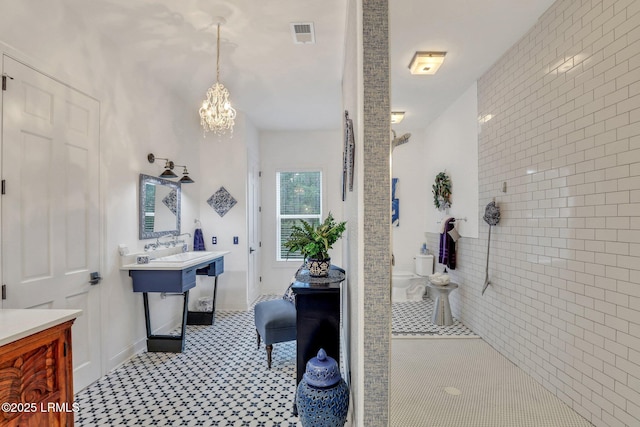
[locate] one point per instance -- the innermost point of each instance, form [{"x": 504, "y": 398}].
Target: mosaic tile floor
[
  {"x": 221, "y": 379},
  {"x": 466, "y": 383},
  {"x": 413, "y": 318}
]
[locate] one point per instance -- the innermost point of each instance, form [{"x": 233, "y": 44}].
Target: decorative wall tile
[
  {"x": 171, "y": 201},
  {"x": 222, "y": 201}
]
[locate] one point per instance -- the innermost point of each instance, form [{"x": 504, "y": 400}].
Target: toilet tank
[{"x": 424, "y": 265}]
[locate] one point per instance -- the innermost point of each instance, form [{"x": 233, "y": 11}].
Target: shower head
[{"x": 399, "y": 140}]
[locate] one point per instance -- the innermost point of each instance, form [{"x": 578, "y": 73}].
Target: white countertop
[
  {"x": 20, "y": 323},
  {"x": 159, "y": 264}
]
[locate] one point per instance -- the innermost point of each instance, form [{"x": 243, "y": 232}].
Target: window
[
  {"x": 149, "y": 208},
  {"x": 299, "y": 196}
]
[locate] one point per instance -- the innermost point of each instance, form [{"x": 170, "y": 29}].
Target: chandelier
[{"x": 216, "y": 114}]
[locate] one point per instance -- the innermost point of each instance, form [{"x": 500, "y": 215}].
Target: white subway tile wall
[{"x": 564, "y": 299}]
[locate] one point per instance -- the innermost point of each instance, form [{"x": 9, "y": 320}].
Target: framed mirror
[{"x": 158, "y": 207}]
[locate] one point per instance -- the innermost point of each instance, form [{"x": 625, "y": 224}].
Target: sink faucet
[
  {"x": 161, "y": 236},
  {"x": 157, "y": 244},
  {"x": 152, "y": 246},
  {"x": 173, "y": 242}
]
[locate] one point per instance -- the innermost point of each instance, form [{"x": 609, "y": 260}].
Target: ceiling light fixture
[
  {"x": 397, "y": 117},
  {"x": 216, "y": 114},
  {"x": 426, "y": 62}
]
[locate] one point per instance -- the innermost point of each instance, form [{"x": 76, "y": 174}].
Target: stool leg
[
  {"x": 269, "y": 348},
  {"x": 436, "y": 316},
  {"x": 442, "y": 310},
  {"x": 258, "y": 334}
]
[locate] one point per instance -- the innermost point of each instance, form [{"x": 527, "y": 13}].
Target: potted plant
[{"x": 313, "y": 241}]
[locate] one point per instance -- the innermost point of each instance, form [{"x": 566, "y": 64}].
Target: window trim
[{"x": 279, "y": 216}]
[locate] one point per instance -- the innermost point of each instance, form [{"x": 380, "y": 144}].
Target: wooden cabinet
[{"x": 36, "y": 379}]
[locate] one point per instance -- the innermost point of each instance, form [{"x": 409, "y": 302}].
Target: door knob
[
  {"x": 251, "y": 250},
  {"x": 94, "y": 278}
]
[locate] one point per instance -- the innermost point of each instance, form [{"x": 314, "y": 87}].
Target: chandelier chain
[{"x": 218, "y": 56}]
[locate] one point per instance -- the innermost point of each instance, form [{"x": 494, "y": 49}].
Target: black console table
[{"x": 317, "y": 316}]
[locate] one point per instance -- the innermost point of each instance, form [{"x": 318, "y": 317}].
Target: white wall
[
  {"x": 223, "y": 163},
  {"x": 281, "y": 150},
  {"x": 352, "y": 292},
  {"x": 137, "y": 117},
  {"x": 449, "y": 143},
  {"x": 413, "y": 192},
  {"x": 452, "y": 146}
]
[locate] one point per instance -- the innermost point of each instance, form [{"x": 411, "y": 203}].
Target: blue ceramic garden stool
[{"x": 323, "y": 396}]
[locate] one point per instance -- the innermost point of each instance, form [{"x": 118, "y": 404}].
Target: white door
[
  {"x": 253, "y": 219},
  {"x": 50, "y": 206}
]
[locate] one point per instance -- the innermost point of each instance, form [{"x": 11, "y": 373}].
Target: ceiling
[
  {"x": 281, "y": 85},
  {"x": 474, "y": 33}
]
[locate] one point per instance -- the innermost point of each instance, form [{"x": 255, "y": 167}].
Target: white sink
[
  {"x": 178, "y": 261},
  {"x": 182, "y": 257}
]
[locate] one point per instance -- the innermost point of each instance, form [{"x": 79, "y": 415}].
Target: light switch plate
[{"x": 214, "y": 240}]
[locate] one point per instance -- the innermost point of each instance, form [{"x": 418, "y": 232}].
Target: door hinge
[
  {"x": 3, "y": 187},
  {"x": 259, "y": 244},
  {"x": 259, "y": 208},
  {"x": 4, "y": 291},
  {"x": 260, "y": 279},
  {"x": 259, "y": 174}
]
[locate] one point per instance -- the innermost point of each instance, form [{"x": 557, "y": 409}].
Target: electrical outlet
[
  {"x": 214, "y": 240},
  {"x": 235, "y": 240}
]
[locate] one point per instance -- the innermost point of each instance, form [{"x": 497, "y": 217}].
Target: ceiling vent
[{"x": 303, "y": 33}]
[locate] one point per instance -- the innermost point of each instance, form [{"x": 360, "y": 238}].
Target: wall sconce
[
  {"x": 168, "y": 169},
  {"x": 185, "y": 175}
]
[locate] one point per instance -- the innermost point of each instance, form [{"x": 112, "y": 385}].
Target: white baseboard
[{"x": 139, "y": 346}]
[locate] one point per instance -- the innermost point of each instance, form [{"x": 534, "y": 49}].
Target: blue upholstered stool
[{"x": 275, "y": 322}]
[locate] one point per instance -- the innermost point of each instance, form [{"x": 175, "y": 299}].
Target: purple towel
[
  {"x": 447, "y": 252},
  {"x": 198, "y": 240}
]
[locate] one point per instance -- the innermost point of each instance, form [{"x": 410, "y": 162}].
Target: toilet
[{"x": 411, "y": 286}]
